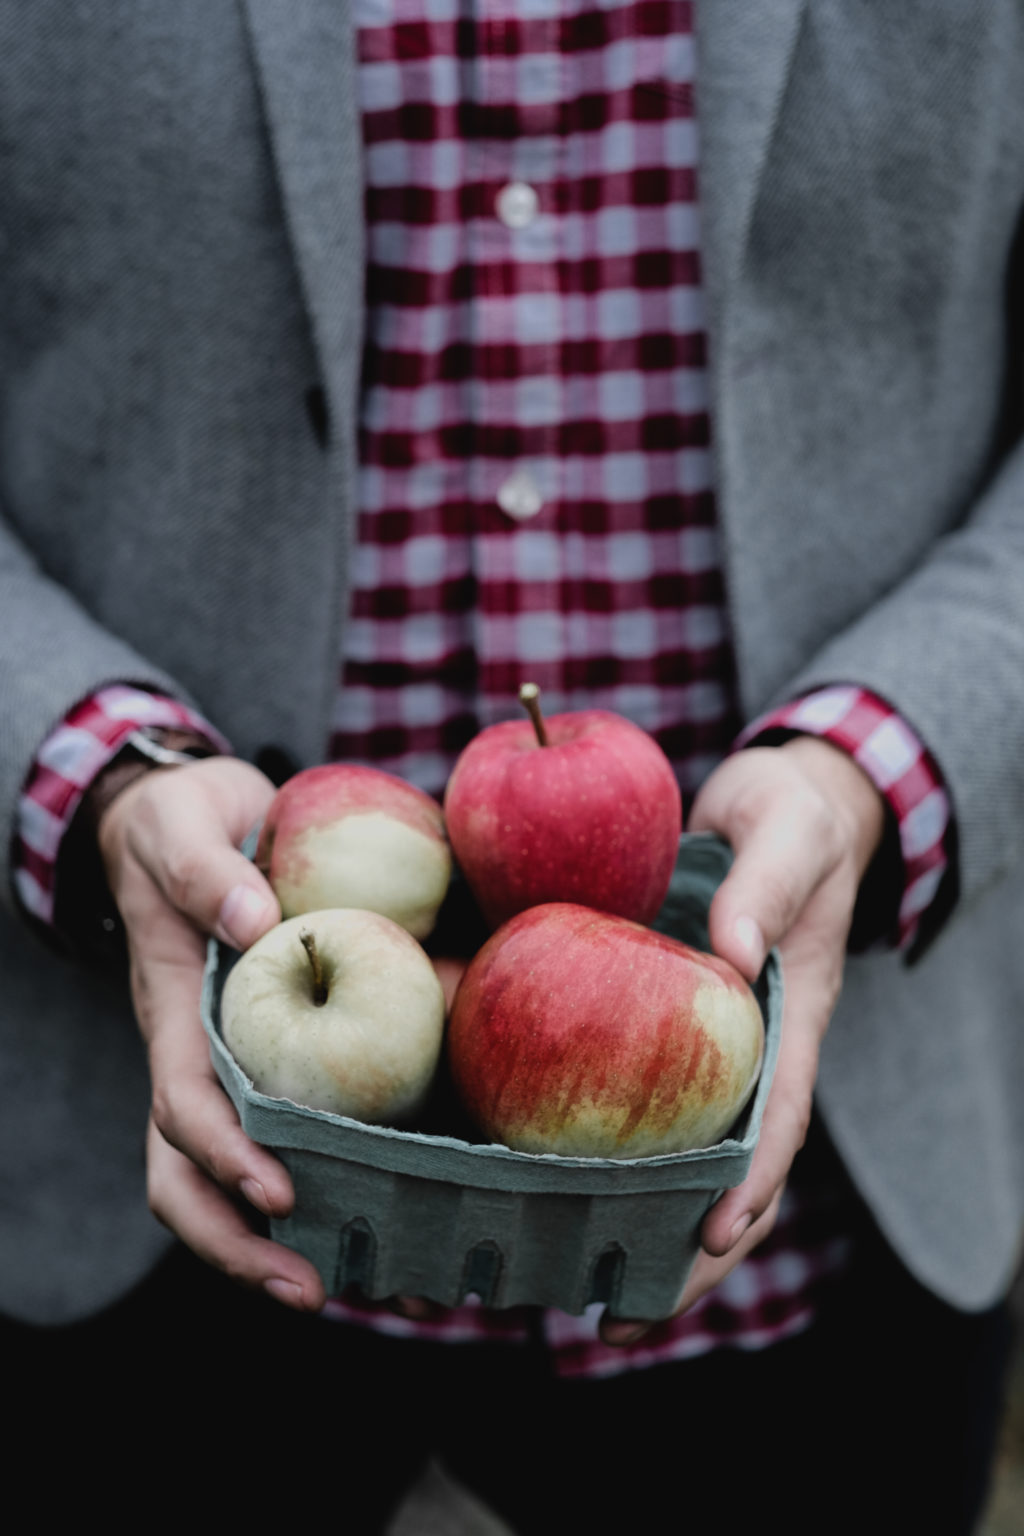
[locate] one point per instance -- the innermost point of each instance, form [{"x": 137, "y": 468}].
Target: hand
[
  {"x": 169, "y": 844},
  {"x": 804, "y": 822}
]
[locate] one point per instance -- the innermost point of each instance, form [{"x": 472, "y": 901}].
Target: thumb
[
  {"x": 248, "y": 910},
  {"x": 182, "y": 829},
  {"x": 781, "y": 857},
  {"x": 205, "y": 877}
]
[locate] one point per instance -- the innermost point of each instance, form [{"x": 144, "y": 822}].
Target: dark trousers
[{"x": 881, "y": 1418}]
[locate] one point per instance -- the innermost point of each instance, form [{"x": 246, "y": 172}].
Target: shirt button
[
  {"x": 519, "y": 497},
  {"x": 517, "y": 204}
]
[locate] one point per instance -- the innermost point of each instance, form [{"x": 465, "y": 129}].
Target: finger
[
  {"x": 190, "y": 1108},
  {"x": 809, "y": 998},
  {"x": 707, "y": 1272},
  {"x": 197, "y": 1118},
  {"x": 207, "y": 1221}
]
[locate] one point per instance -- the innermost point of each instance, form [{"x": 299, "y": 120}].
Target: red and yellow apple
[
  {"x": 584, "y": 1034},
  {"x": 346, "y": 836},
  {"x": 339, "y": 1011},
  {"x": 583, "y": 807}
]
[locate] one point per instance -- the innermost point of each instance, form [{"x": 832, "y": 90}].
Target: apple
[
  {"x": 346, "y": 836},
  {"x": 338, "y": 1010},
  {"x": 583, "y": 807},
  {"x": 450, "y": 970},
  {"x": 581, "y": 1033}
]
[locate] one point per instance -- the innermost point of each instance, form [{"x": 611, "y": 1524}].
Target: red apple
[
  {"x": 584, "y": 1034},
  {"x": 583, "y": 807},
  {"x": 345, "y": 836}
]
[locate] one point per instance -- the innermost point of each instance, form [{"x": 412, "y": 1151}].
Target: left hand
[{"x": 804, "y": 821}]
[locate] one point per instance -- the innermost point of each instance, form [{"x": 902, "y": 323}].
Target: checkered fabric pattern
[
  {"x": 536, "y": 495},
  {"x": 69, "y": 760}
]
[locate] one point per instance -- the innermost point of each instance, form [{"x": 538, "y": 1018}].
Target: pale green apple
[{"x": 338, "y": 1010}]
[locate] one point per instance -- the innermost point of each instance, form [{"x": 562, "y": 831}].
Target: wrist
[
  {"x": 85, "y": 909},
  {"x": 872, "y": 832}
]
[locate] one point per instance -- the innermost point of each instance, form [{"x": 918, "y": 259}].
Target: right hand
[{"x": 169, "y": 843}]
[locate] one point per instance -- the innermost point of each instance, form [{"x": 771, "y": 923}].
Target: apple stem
[
  {"x": 529, "y": 698},
  {"x": 319, "y": 984}
]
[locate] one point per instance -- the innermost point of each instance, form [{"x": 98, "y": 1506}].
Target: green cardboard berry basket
[{"x": 431, "y": 1214}]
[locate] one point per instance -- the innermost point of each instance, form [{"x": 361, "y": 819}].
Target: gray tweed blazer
[{"x": 181, "y": 271}]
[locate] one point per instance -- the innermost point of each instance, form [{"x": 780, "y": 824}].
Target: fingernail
[
  {"x": 256, "y": 1195},
  {"x": 286, "y": 1291},
  {"x": 620, "y": 1334},
  {"x": 243, "y": 915},
  {"x": 739, "y": 1228},
  {"x": 749, "y": 935}
]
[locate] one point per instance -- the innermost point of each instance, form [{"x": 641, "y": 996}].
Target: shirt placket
[{"x": 518, "y": 326}]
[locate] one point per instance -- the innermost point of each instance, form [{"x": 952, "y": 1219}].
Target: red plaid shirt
[{"x": 536, "y": 497}]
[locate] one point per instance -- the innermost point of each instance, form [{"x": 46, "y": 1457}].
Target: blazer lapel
[
  {"x": 743, "y": 59},
  {"x": 305, "y": 63}
]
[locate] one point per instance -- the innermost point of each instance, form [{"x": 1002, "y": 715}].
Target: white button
[
  {"x": 519, "y": 496},
  {"x": 517, "y": 204}
]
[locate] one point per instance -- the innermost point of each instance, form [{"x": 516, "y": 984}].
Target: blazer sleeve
[
  {"x": 52, "y": 655},
  {"x": 945, "y": 648}
]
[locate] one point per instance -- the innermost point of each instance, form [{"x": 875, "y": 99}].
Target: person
[{"x": 203, "y": 475}]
